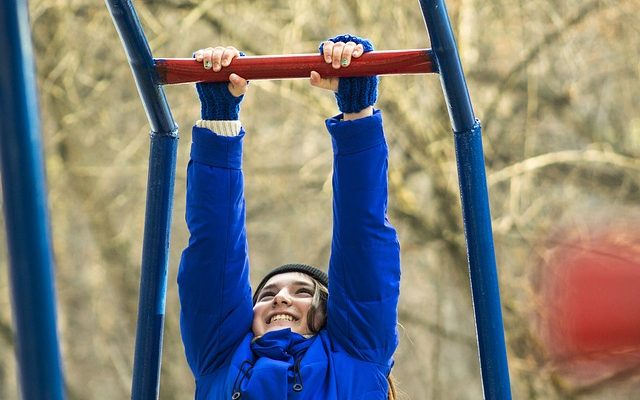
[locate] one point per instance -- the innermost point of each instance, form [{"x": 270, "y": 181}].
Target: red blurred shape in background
[{"x": 591, "y": 302}]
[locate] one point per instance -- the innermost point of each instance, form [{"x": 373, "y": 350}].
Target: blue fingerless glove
[
  {"x": 358, "y": 93},
  {"x": 216, "y": 102}
]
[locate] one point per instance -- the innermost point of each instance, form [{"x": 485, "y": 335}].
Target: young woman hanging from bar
[{"x": 302, "y": 334}]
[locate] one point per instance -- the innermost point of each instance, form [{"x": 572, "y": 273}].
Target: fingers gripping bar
[{"x": 389, "y": 62}]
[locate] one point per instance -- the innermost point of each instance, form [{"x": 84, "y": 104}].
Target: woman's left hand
[{"x": 339, "y": 55}]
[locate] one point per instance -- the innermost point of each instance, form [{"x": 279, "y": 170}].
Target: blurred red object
[{"x": 590, "y": 301}]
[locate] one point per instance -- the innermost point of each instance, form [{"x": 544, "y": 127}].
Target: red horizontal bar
[{"x": 389, "y": 62}]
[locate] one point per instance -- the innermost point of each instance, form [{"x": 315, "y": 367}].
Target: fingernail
[
  {"x": 207, "y": 64},
  {"x": 327, "y": 59},
  {"x": 344, "y": 62}
]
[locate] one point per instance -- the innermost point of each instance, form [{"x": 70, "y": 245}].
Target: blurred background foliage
[{"x": 555, "y": 83}]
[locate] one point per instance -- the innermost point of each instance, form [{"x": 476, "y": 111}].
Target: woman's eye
[
  {"x": 266, "y": 296},
  {"x": 305, "y": 291}
]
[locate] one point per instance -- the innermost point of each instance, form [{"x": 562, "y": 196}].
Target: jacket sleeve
[
  {"x": 213, "y": 278},
  {"x": 364, "y": 269}
]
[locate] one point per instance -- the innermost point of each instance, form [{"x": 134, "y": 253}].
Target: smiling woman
[
  {"x": 292, "y": 296},
  {"x": 291, "y": 339}
]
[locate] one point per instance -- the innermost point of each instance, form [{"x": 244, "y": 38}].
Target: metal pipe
[
  {"x": 485, "y": 292},
  {"x": 475, "y": 204},
  {"x": 388, "y": 62},
  {"x": 155, "y": 259},
  {"x": 140, "y": 59},
  {"x": 157, "y": 229},
  {"x": 443, "y": 45},
  {"x": 25, "y": 210}
]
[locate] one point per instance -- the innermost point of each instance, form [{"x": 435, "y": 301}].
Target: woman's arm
[
  {"x": 364, "y": 270},
  {"x": 213, "y": 278}
]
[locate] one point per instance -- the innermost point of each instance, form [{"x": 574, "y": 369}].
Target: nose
[{"x": 282, "y": 297}]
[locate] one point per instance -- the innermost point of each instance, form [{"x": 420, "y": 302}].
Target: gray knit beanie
[{"x": 313, "y": 272}]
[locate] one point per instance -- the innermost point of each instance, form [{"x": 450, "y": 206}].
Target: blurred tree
[{"x": 555, "y": 84}]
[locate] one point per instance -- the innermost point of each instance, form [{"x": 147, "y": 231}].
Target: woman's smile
[
  {"x": 284, "y": 302},
  {"x": 281, "y": 318}
]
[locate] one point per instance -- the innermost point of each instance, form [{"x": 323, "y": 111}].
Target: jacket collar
[{"x": 283, "y": 345}]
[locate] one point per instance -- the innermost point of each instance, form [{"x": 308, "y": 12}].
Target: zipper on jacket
[
  {"x": 297, "y": 376},
  {"x": 242, "y": 375},
  {"x": 237, "y": 383}
]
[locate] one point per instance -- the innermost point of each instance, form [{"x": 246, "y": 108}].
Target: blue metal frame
[
  {"x": 157, "y": 229},
  {"x": 25, "y": 210},
  {"x": 27, "y": 219},
  {"x": 475, "y": 203},
  {"x": 473, "y": 189}
]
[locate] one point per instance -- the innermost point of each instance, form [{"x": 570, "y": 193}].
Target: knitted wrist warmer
[
  {"x": 217, "y": 103},
  {"x": 355, "y": 94},
  {"x": 358, "y": 93}
]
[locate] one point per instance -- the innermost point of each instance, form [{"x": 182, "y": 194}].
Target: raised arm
[
  {"x": 364, "y": 270},
  {"x": 213, "y": 279}
]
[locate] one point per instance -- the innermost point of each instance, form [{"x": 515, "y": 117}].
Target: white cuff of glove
[{"x": 222, "y": 128}]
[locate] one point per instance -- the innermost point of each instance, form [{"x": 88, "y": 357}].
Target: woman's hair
[
  {"x": 392, "y": 387},
  {"x": 319, "y": 304}
]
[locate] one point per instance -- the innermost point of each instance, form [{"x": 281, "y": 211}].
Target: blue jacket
[{"x": 350, "y": 358}]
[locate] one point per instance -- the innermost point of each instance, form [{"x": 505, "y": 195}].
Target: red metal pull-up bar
[{"x": 389, "y": 62}]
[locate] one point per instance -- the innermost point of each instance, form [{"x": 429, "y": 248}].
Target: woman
[{"x": 291, "y": 339}]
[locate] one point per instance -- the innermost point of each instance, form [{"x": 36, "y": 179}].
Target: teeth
[{"x": 281, "y": 317}]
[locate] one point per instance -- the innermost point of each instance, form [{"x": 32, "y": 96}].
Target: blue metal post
[
  {"x": 475, "y": 204},
  {"x": 25, "y": 210},
  {"x": 162, "y": 166}
]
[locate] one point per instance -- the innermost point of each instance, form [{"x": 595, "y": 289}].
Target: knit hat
[{"x": 313, "y": 272}]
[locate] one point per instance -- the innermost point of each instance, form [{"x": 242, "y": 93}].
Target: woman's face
[{"x": 284, "y": 302}]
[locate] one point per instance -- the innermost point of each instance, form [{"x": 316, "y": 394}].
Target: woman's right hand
[{"x": 219, "y": 57}]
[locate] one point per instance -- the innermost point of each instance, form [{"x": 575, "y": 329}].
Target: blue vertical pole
[
  {"x": 157, "y": 229},
  {"x": 25, "y": 210},
  {"x": 475, "y": 204}
]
